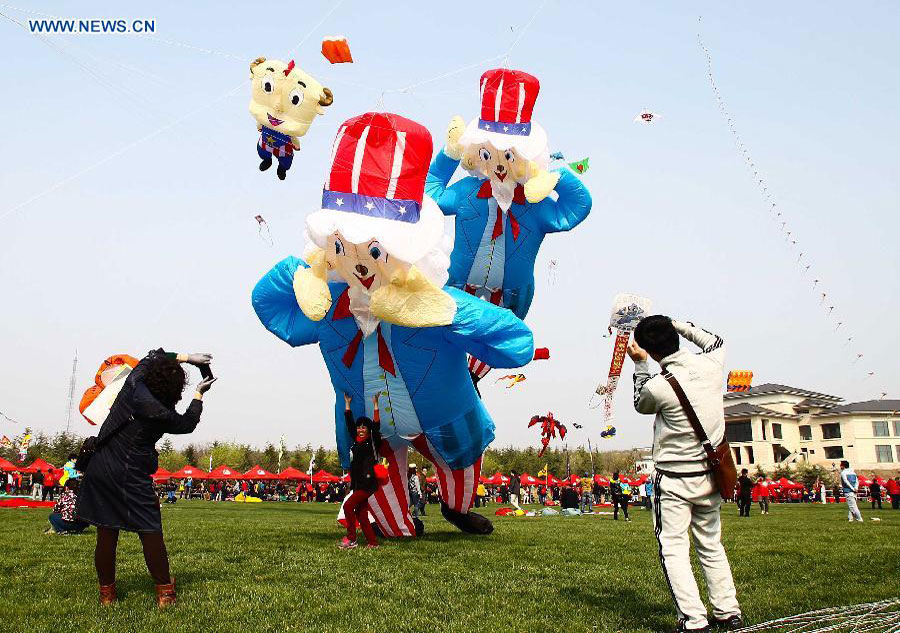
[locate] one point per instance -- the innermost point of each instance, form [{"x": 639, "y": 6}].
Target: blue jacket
[
  {"x": 431, "y": 360},
  {"x": 535, "y": 220}
]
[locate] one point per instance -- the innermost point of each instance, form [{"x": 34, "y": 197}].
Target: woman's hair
[{"x": 165, "y": 379}]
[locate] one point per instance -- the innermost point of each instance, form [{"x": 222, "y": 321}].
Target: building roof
[
  {"x": 745, "y": 410},
  {"x": 868, "y": 406},
  {"x": 773, "y": 388},
  {"x": 815, "y": 403}
]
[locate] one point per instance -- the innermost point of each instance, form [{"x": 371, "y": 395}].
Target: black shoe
[
  {"x": 265, "y": 164},
  {"x": 731, "y": 623},
  {"x": 470, "y": 523},
  {"x": 282, "y": 173},
  {"x": 420, "y": 527}
]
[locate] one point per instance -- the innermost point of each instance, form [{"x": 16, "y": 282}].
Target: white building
[{"x": 772, "y": 425}]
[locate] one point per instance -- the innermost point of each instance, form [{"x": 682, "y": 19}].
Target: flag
[
  {"x": 210, "y": 462},
  {"x": 543, "y": 471},
  {"x": 581, "y": 166},
  {"x": 23, "y": 447}
]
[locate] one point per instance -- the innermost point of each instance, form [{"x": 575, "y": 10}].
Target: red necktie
[
  {"x": 384, "y": 353},
  {"x": 518, "y": 198}
]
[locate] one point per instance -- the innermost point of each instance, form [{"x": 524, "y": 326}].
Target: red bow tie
[{"x": 518, "y": 198}]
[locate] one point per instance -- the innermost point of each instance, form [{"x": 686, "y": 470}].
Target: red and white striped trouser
[
  {"x": 477, "y": 367},
  {"x": 389, "y": 506}
]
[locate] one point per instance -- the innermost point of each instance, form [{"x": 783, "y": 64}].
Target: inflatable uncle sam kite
[
  {"x": 504, "y": 209},
  {"x": 371, "y": 294}
]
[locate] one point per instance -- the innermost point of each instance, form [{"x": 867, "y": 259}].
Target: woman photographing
[{"x": 117, "y": 491}]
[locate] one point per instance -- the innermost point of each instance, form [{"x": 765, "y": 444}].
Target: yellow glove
[
  {"x": 411, "y": 300},
  {"x": 311, "y": 288},
  {"x": 539, "y": 187},
  {"x": 455, "y": 130}
]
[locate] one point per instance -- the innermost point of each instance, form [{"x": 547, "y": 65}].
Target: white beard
[
  {"x": 359, "y": 307},
  {"x": 503, "y": 192}
]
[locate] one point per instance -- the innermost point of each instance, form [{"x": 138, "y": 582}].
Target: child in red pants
[{"x": 363, "y": 484}]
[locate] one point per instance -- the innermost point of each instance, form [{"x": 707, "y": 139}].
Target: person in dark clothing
[
  {"x": 745, "y": 493},
  {"x": 568, "y": 498},
  {"x": 515, "y": 489},
  {"x": 875, "y": 493},
  {"x": 619, "y": 498},
  {"x": 366, "y": 436},
  {"x": 117, "y": 491}
]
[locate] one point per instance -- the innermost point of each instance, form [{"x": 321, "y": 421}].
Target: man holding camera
[{"x": 685, "y": 495}]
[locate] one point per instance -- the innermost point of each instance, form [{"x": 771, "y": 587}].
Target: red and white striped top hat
[
  {"x": 375, "y": 187},
  {"x": 507, "y": 103}
]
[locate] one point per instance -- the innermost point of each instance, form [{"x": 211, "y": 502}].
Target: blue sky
[{"x": 158, "y": 246}]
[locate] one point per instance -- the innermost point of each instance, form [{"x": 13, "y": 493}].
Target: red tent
[
  {"x": 862, "y": 480},
  {"x": 528, "y": 480},
  {"x": 600, "y": 479},
  {"x": 550, "y": 479},
  {"x": 323, "y": 477},
  {"x": 433, "y": 479},
  {"x": 224, "y": 472},
  {"x": 292, "y": 474},
  {"x": 190, "y": 471},
  {"x": 161, "y": 474},
  {"x": 37, "y": 465},
  {"x": 258, "y": 472},
  {"x": 498, "y": 479},
  {"x": 6, "y": 465}
]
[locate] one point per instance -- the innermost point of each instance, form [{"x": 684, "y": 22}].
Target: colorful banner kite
[
  {"x": 513, "y": 379},
  {"x": 627, "y": 311},
  {"x": 740, "y": 380},
  {"x": 581, "y": 166},
  {"x": 23, "y": 447}
]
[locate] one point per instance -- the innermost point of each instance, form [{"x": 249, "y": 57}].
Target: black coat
[
  {"x": 745, "y": 487},
  {"x": 117, "y": 491},
  {"x": 364, "y": 456}
]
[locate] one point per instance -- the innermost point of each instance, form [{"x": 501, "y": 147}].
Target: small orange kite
[{"x": 336, "y": 49}]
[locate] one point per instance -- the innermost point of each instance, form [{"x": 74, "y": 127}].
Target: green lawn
[{"x": 275, "y": 567}]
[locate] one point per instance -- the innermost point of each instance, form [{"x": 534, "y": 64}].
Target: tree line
[{"x": 561, "y": 461}]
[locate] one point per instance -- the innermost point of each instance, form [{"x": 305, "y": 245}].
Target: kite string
[{"x": 774, "y": 210}]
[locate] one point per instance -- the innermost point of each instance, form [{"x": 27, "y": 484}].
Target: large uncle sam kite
[
  {"x": 371, "y": 294},
  {"x": 504, "y": 209}
]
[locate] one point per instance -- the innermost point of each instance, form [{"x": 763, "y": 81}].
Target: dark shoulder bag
[
  {"x": 92, "y": 444},
  {"x": 720, "y": 458}
]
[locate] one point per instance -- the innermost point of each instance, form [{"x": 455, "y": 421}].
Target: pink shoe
[{"x": 346, "y": 543}]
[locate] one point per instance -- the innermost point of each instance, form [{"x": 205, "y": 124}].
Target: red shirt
[{"x": 893, "y": 488}]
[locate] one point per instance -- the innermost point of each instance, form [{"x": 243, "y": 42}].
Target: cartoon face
[
  {"x": 284, "y": 97},
  {"x": 367, "y": 266},
  {"x": 503, "y": 166}
]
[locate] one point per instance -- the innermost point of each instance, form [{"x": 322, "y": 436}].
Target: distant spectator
[
  {"x": 63, "y": 519},
  {"x": 515, "y": 489},
  {"x": 850, "y": 488},
  {"x": 763, "y": 491},
  {"x": 745, "y": 494},
  {"x": 568, "y": 498},
  {"x": 875, "y": 492},
  {"x": 37, "y": 485},
  {"x": 69, "y": 471},
  {"x": 480, "y": 496},
  {"x": 893, "y": 489},
  {"x": 415, "y": 491},
  {"x": 619, "y": 498}
]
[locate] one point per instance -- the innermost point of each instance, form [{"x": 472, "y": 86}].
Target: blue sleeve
[
  {"x": 277, "y": 308},
  {"x": 439, "y": 174},
  {"x": 489, "y": 333},
  {"x": 570, "y": 208}
]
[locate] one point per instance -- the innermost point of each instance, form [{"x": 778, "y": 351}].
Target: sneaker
[
  {"x": 346, "y": 543},
  {"x": 681, "y": 627},
  {"x": 731, "y": 623}
]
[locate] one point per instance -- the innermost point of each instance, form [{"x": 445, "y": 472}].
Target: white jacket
[{"x": 675, "y": 445}]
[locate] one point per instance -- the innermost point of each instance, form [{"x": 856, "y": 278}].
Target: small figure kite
[
  {"x": 552, "y": 272},
  {"x": 513, "y": 378},
  {"x": 5, "y": 442},
  {"x": 550, "y": 426},
  {"x": 627, "y": 311},
  {"x": 336, "y": 49},
  {"x": 23, "y": 447},
  {"x": 647, "y": 117},
  {"x": 577, "y": 426},
  {"x": 581, "y": 166},
  {"x": 557, "y": 156},
  {"x": 267, "y": 237},
  {"x": 608, "y": 432}
]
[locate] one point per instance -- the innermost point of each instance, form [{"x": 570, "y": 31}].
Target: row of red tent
[{"x": 257, "y": 473}]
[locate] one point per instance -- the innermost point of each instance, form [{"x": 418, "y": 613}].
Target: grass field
[{"x": 274, "y": 567}]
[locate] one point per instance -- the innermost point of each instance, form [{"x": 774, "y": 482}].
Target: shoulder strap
[{"x": 691, "y": 416}]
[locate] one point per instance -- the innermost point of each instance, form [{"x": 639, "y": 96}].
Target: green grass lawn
[{"x": 275, "y": 567}]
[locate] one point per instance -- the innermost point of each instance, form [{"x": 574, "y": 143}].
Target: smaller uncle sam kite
[
  {"x": 371, "y": 294},
  {"x": 285, "y": 100},
  {"x": 627, "y": 311},
  {"x": 504, "y": 209}
]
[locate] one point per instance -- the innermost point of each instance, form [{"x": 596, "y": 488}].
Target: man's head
[
  {"x": 513, "y": 473},
  {"x": 72, "y": 457},
  {"x": 845, "y": 464},
  {"x": 657, "y": 336},
  {"x": 743, "y": 471}
]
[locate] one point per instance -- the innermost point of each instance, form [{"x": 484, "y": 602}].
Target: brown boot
[
  {"x": 108, "y": 595},
  {"x": 165, "y": 594}
]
